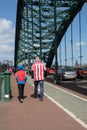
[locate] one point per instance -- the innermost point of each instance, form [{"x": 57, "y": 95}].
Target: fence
[{"x": 5, "y": 91}]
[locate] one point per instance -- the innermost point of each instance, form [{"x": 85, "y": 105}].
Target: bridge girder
[{"x": 35, "y": 27}]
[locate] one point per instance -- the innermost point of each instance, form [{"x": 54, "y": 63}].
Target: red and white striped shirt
[{"x": 38, "y": 69}]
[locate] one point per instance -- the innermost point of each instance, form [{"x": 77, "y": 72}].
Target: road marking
[
  {"x": 67, "y": 111},
  {"x": 66, "y": 92},
  {"x": 82, "y": 123}
]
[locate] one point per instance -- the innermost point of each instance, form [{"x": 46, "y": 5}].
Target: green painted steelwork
[
  {"x": 35, "y": 29},
  {"x": 5, "y": 90}
]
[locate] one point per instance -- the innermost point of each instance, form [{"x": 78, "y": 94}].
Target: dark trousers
[{"x": 21, "y": 90}]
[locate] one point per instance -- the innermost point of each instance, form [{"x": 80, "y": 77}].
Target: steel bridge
[{"x": 40, "y": 27}]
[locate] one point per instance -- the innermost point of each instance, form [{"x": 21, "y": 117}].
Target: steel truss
[{"x": 40, "y": 27}]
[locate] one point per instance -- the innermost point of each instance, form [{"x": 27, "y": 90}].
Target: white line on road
[
  {"x": 68, "y": 112},
  {"x": 64, "y": 109},
  {"x": 82, "y": 123},
  {"x": 67, "y": 92}
]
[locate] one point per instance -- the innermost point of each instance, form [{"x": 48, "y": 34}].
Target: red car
[
  {"x": 50, "y": 71},
  {"x": 81, "y": 72}
]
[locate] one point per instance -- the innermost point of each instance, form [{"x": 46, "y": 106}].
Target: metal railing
[{"x": 5, "y": 91}]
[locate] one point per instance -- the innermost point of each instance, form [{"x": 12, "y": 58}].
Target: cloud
[
  {"x": 7, "y": 39},
  {"x": 78, "y": 44}
]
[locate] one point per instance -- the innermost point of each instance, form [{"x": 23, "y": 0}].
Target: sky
[
  {"x": 76, "y": 40},
  {"x": 8, "y": 10}
]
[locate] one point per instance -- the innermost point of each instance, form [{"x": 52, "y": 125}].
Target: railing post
[
  {"x": 7, "y": 85},
  {"x": 1, "y": 86}
]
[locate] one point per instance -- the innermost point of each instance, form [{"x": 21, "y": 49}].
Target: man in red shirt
[{"x": 38, "y": 69}]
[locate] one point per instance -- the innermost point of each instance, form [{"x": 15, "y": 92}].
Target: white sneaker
[{"x": 21, "y": 100}]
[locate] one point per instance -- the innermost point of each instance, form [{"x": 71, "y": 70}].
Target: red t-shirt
[{"x": 38, "y": 69}]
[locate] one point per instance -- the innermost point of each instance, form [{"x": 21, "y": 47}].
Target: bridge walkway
[{"x": 47, "y": 115}]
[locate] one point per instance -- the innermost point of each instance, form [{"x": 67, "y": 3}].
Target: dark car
[
  {"x": 81, "y": 72},
  {"x": 67, "y": 73}
]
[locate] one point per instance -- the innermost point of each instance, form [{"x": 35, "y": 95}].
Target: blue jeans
[{"x": 41, "y": 82}]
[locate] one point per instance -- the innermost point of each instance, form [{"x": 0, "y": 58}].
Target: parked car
[
  {"x": 81, "y": 72},
  {"x": 50, "y": 71},
  {"x": 67, "y": 73}
]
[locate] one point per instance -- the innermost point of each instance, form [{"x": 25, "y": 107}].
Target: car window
[
  {"x": 82, "y": 69},
  {"x": 59, "y": 70},
  {"x": 69, "y": 69}
]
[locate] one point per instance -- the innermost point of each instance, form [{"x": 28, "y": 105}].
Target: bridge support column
[{"x": 56, "y": 60}]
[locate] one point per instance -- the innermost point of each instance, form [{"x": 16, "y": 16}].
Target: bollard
[
  {"x": 7, "y": 85},
  {"x": 2, "y": 87}
]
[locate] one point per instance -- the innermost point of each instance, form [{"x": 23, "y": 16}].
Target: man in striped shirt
[{"x": 38, "y": 69}]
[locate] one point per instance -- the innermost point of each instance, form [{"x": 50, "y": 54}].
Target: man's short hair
[{"x": 37, "y": 59}]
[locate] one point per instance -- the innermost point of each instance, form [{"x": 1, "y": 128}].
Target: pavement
[{"x": 60, "y": 110}]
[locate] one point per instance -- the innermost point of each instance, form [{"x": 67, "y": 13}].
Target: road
[{"x": 78, "y": 85}]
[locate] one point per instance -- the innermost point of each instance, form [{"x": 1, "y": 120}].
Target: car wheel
[
  {"x": 61, "y": 78},
  {"x": 74, "y": 79},
  {"x": 55, "y": 81}
]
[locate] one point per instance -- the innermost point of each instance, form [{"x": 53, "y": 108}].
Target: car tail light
[{"x": 64, "y": 73}]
